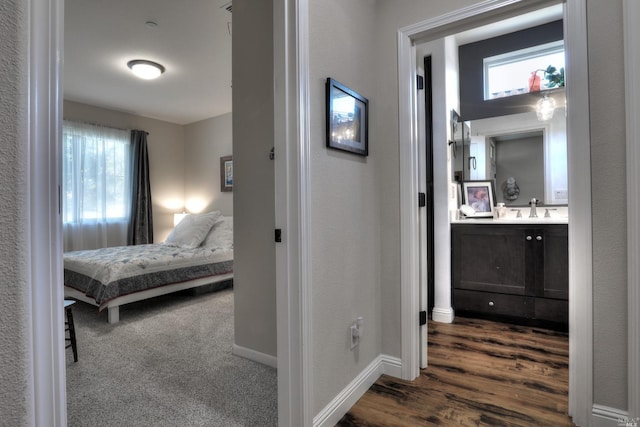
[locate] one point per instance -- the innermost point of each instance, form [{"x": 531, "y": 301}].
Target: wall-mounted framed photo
[
  {"x": 226, "y": 173},
  {"x": 347, "y": 119},
  {"x": 481, "y": 196}
]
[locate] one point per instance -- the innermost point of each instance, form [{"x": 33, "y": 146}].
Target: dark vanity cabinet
[{"x": 511, "y": 270}]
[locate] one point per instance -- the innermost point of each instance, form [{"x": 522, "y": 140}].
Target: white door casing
[{"x": 581, "y": 376}]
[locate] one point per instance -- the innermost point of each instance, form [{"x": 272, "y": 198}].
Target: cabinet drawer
[
  {"x": 552, "y": 310},
  {"x": 493, "y": 303}
]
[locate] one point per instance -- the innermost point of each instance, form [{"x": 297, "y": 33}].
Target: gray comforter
[{"x": 105, "y": 274}]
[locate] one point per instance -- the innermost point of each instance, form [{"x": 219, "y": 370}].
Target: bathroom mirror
[{"x": 525, "y": 157}]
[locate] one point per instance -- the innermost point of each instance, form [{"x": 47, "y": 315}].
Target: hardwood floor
[{"x": 480, "y": 373}]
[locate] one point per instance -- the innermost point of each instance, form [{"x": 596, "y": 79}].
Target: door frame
[
  {"x": 46, "y": 354},
  {"x": 580, "y": 232},
  {"x": 293, "y": 207}
]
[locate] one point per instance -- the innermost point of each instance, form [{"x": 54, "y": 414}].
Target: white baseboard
[
  {"x": 341, "y": 404},
  {"x": 604, "y": 416},
  {"x": 442, "y": 315},
  {"x": 256, "y": 356}
]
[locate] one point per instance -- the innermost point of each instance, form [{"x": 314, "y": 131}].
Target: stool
[{"x": 70, "y": 327}]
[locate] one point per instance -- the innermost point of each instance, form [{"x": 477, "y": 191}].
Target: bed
[{"x": 199, "y": 251}]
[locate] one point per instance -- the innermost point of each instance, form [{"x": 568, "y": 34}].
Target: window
[
  {"x": 96, "y": 174},
  {"x": 509, "y": 74}
]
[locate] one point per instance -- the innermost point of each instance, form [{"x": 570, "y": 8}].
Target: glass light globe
[{"x": 545, "y": 108}]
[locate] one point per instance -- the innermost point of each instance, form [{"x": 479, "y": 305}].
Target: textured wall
[
  {"x": 345, "y": 221},
  {"x": 204, "y": 143},
  {"x": 254, "y": 191},
  {"x": 606, "y": 90},
  {"x": 15, "y": 381}
]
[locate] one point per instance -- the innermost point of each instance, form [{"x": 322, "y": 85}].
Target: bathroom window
[{"x": 522, "y": 71}]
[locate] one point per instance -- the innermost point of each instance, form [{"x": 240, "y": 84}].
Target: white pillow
[
  {"x": 221, "y": 234},
  {"x": 191, "y": 231}
]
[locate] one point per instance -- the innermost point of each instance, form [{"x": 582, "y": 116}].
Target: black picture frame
[
  {"x": 226, "y": 173},
  {"x": 347, "y": 119},
  {"x": 485, "y": 202}
]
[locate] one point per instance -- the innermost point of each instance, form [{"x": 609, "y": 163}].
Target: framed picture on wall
[
  {"x": 479, "y": 195},
  {"x": 347, "y": 119},
  {"x": 226, "y": 173}
]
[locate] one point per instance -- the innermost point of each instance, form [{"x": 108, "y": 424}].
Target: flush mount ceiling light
[{"x": 144, "y": 69}]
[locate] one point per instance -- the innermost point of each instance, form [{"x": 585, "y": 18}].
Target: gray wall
[
  {"x": 606, "y": 97},
  {"x": 345, "y": 220},
  {"x": 253, "y": 187},
  {"x": 204, "y": 143},
  {"x": 15, "y": 381},
  {"x": 523, "y": 159}
]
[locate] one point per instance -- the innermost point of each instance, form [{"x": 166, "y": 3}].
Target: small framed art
[
  {"x": 347, "y": 119},
  {"x": 226, "y": 173},
  {"x": 479, "y": 195}
]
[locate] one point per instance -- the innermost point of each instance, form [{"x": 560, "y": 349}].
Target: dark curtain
[{"x": 141, "y": 222}]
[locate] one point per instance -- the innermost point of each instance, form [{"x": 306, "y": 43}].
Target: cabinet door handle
[
  {"x": 491, "y": 303},
  {"x": 538, "y": 238},
  {"x": 529, "y": 237}
]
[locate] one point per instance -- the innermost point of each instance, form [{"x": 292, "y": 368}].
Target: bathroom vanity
[{"x": 514, "y": 270}]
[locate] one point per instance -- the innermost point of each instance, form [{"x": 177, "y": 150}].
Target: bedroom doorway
[{"x": 148, "y": 21}]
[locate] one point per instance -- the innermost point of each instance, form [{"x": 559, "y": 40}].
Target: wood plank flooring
[{"x": 481, "y": 373}]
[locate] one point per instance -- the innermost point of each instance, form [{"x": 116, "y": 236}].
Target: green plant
[{"x": 554, "y": 76}]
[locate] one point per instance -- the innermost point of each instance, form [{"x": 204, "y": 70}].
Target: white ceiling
[{"x": 192, "y": 40}]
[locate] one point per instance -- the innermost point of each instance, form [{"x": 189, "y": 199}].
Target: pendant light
[{"x": 545, "y": 108}]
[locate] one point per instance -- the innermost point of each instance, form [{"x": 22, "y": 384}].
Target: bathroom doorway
[{"x": 579, "y": 198}]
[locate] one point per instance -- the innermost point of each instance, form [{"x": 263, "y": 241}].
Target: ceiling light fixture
[{"x": 144, "y": 69}]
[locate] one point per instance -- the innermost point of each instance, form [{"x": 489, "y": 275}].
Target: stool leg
[{"x": 72, "y": 334}]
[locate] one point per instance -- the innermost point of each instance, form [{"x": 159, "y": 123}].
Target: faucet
[{"x": 534, "y": 212}]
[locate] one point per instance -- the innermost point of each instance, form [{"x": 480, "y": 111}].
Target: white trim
[
  {"x": 340, "y": 405},
  {"x": 580, "y": 232},
  {"x": 292, "y": 181},
  {"x": 631, "y": 15},
  {"x": 409, "y": 215},
  {"x": 604, "y": 416},
  {"x": 442, "y": 315},
  {"x": 48, "y": 391},
  {"x": 580, "y": 227},
  {"x": 256, "y": 356}
]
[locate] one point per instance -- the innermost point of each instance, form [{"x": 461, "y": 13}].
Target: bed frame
[{"x": 113, "y": 306}]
